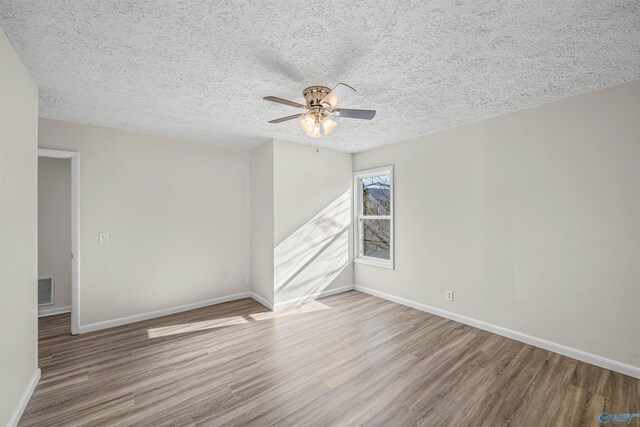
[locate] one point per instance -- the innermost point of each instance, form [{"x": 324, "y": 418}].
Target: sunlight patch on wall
[
  {"x": 319, "y": 273},
  {"x": 309, "y": 259}
]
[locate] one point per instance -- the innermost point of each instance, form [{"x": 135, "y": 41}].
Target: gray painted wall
[
  {"x": 312, "y": 220},
  {"x": 18, "y": 229},
  {"x": 177, "y": 214},
  {"x": 532, "y": 219},
  {"x": 262, "y": 221}
]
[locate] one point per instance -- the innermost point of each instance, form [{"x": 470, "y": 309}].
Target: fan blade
[
  {"x": 284, "y": 119},
  {"x": 283, "y": 101},
  {"x": 338, "y": 94},
  {"x": 355, "y": 114}
]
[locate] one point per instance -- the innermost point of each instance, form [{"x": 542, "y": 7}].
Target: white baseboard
[
  {"x": 159, "y": 313},
  {"x": 54, "y": 311},
  {"x": 306, "y": 298},
  {"x": 26, "y": 395},
  {"x": 262, "y": 300},
  {"x": 603, "y": 362}
]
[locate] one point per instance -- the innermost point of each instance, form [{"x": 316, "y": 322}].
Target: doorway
[{"x": 58, "y": 234}]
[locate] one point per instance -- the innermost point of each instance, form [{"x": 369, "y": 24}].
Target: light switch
[{"x": 103, "y": 237}]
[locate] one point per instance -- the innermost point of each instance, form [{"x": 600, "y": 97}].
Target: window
[{"x": 373, "y": 190}]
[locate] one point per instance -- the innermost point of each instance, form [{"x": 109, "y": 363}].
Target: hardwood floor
[{"x": 349, "y": 359}]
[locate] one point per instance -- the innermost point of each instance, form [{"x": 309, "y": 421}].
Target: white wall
[
  {"x": 532, "y": 218},
  {"x": 54, "y": 228},
  {"x": 262, "y": 221},
  {"x": 177, "y": 214},
  {"x": 300, "y": 221},
  {"x": 312, "y": 217},
  {"x": 18, "y": 231}
]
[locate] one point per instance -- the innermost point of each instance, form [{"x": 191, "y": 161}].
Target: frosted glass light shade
[
  {"x": 310, "y": 125},
  {"x": 328, "y": 125}
]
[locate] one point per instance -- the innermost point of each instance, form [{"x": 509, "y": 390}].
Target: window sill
[{"x": 374, "y": 263}]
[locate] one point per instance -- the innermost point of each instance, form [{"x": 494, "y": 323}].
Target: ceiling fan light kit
[
  {"x": 321, "y": 103},
  {"x": 317, "y": 124}
]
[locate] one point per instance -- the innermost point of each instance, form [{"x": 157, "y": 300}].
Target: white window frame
[{"x": 359, "y": 257}]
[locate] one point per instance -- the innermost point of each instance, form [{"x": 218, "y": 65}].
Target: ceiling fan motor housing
[{"x": 313, "y": 95}]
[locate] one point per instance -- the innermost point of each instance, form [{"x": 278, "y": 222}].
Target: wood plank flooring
[{"x": 349, "y": 359}]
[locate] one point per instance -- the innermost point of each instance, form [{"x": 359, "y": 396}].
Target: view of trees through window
[{"x": 376, "y": 204}]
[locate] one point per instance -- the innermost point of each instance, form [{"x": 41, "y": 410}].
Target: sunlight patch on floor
[
  {"x": 204, "y": 325},
  {"x": 307, "y": 307},
  {"x": 195, "y": 326}
]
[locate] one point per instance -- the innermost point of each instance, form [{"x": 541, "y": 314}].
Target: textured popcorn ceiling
[{"x": 198, "y": 70}]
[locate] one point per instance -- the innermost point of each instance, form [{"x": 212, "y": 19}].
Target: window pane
[
  {"x": 376, "y": 195},
  {"x": 376, "y": 238}
]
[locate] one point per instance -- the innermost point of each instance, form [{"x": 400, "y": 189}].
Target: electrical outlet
[
  {"x": 448, "y": 295},
  {"x": 247, "y": 279}
]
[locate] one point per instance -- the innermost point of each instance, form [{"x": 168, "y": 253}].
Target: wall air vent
[{"x": 45, "y": 291}]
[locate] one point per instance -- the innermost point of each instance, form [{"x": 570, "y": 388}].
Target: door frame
[{"x": 74, "y": 156}]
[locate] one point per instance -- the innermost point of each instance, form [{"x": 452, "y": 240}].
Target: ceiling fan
[{"x": 321, "y": 103}]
